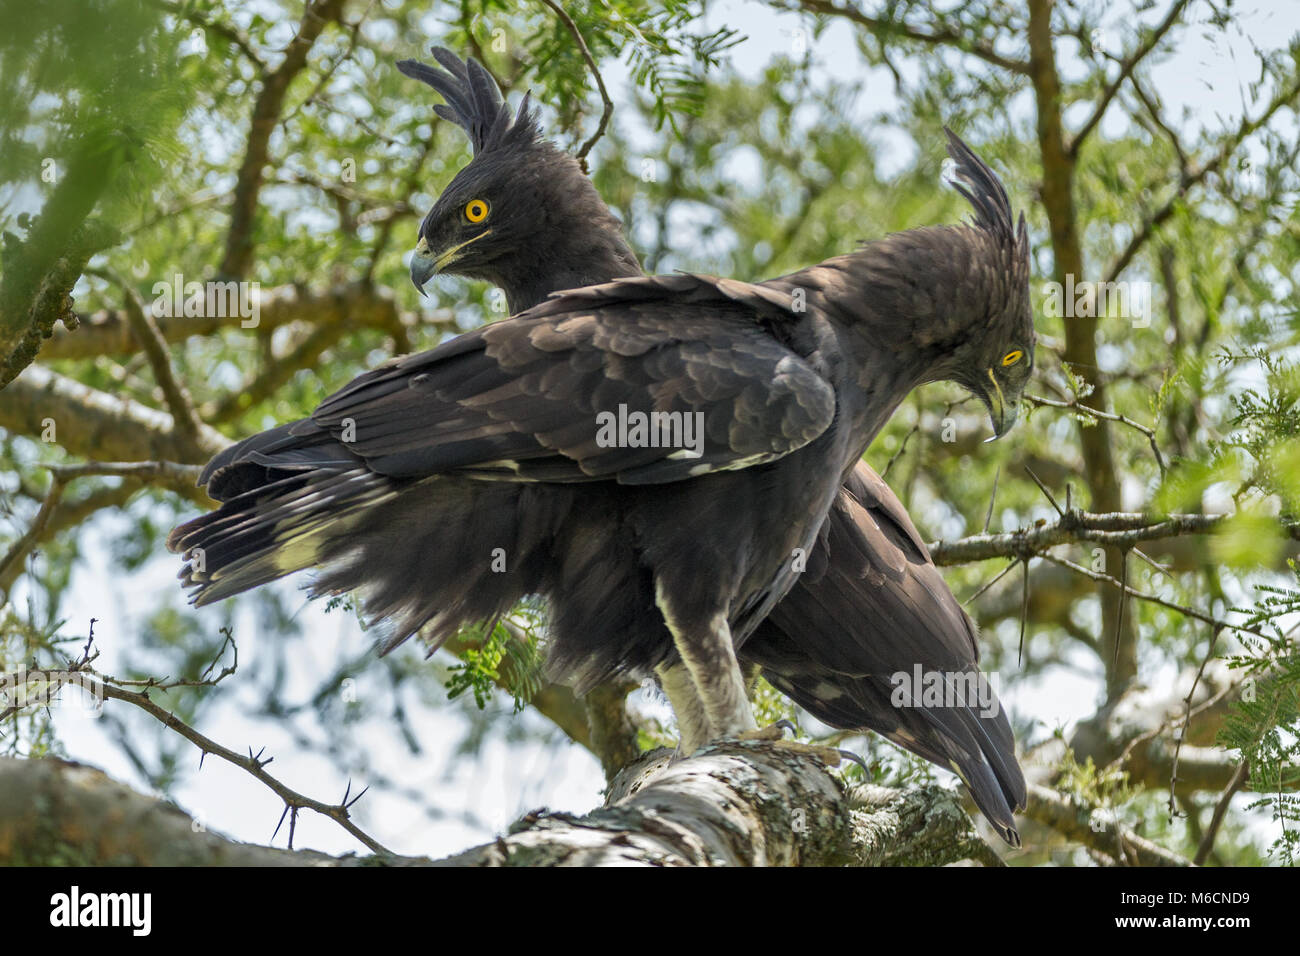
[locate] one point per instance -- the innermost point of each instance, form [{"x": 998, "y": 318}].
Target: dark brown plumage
[
  {"x": 403, "y": 509},
  {"x": 555, "y": 232}
]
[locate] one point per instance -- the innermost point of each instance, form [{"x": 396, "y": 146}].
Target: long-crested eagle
[{"x": 406, "y": 483}]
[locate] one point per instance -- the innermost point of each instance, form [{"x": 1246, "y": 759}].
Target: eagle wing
[{"x": 539, "y": 397}]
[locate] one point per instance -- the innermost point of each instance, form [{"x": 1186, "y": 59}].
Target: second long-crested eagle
[{"x": 406, "y": 483}]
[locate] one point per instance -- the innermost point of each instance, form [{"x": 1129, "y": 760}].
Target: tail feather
[
  {"x": 285, "y": 493},
  {"x": 269, "y": 532},
  {"x": 978, "y": 747},
  {"x": 418, "y": 553}
]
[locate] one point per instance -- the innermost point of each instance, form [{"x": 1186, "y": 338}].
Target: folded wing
[{"x": 558, "y": 398}]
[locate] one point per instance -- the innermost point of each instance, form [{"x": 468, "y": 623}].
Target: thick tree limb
[
  {"x": 746, "y": 804},
  {"x": 1120, "y": 655},
  {"x": 166, "y": 473},
  {"x": 57, "y": 812},
  {"x": 1118, "y": 529},
  {"x": 1089, "y": 826},
  {"x": 354, "y": 305},
  {"x": 614, "y": 738},
  {"x": 93, "y": 424},
  {"x": 735, "y": 804}
]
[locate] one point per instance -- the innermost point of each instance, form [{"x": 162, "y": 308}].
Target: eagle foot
[
  {"x": 775, "y": 734},
  {"x": 774, "y": 731}
]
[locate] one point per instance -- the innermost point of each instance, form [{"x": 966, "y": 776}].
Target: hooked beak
[
  {"x": 1002, "y": 413},
  {"x": 425, "y": 265}
]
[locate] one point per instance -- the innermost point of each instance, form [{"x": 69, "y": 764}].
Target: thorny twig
[
  {"x": 1074, "y": 406},
  {"x": 1152, "y": 598},
  {"x": 607, "y": 105},
  {"x": 116, "y": 689},
  {"x": 1187, "y": 717},
  {"x": 1238, "y": 780}
]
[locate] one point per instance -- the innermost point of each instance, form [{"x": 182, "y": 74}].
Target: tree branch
[
  {"x": 607, "y": 105},
  {"x": 1126, "y": 69},
  {"x": 166, "y": 473},
  {"x": 1097, "y": 413},
  {"x": 752, "y": 803},
  {"x": 226, "y": 31},
  {"x": 48, "y": 806},
  {"x": 89, "y": 423},
  {"x": 354, "y": 305},
  {"x": 252, "y": 764},
  {"x": 1194, "y": 178},
  {"x": 938, "y": 35},
  {"x": 1089, "y": 826},
  {"x": 1120, "y": 659},
  {"x": 744, "y": 804},
  {"x": 1118, "y": 529},
  {"x": 186, "y": 420},
  {"x": 11, "y": 561},
  {"x": 1220, "y": 811},
  {"x": 277, "y": 371},
  {"x": 66, "y": 514},
  {"x": 266, "y": 114},
  {"x": 613, "y": 735}
]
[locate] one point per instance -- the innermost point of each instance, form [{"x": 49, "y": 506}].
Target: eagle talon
[
  {"x": 788, "y": 725},
  {"x": 857, "y": 759}
]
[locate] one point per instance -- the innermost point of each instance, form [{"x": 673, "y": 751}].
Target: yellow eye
[
  {"x": 476, "y": 210},
  {"x": 1011, "y": 358}
]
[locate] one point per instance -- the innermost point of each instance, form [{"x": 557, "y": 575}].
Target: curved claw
[
  {"x": 850, "y": 755},
  {"x": 787, "y": 725}
]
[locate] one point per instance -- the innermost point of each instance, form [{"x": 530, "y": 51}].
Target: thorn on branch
[
  {"x": 1043, "y": 488},
  {"x": 1123, "y": 600},
  {"x": 988, "y": 517},
  {"x": 1024, "y": 616}
]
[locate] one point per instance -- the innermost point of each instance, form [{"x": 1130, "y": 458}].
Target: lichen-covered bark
[
  {"x": 59, "y": 813},
  {"x": 744, "y": 804},
  {"x": 734, "y": 804}
]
